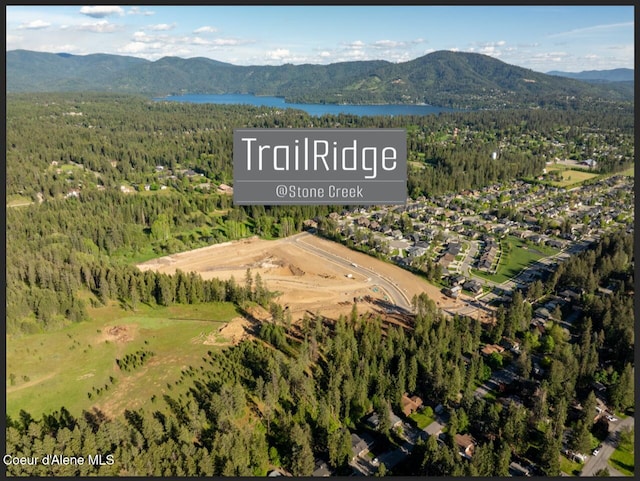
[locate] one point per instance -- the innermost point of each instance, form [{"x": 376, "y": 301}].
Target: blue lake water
[{"x": 315, "y": 110}]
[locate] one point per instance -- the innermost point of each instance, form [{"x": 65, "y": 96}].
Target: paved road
[
  {"x": 396, "y": 295},
  {"x": 601, "y": 460}
]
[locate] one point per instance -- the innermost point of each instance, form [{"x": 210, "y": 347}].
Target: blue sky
[{"x": 542, "y": 38}]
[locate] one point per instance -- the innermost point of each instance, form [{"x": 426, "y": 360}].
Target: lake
[{"x": 315, "y": 110}]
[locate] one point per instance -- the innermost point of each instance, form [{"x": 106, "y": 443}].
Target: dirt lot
[{"x": 307, "y": 281}]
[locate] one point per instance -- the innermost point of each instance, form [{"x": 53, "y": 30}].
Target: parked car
[{"x": 597, "y": 450}]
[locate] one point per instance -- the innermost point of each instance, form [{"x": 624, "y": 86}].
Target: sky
[{"x": 541, "y": 38}]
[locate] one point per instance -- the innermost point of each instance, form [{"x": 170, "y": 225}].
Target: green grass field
[
  {"x": 55, "y": 369},
  {"x": 423, "y": 419},
  {"x": 630, "y": 172},
  {"x": 622, "y": 458},
  {"x": 571, "y": 177},
  {"x": 516, "y": 256},
  {"x": 569, "y": 467}
]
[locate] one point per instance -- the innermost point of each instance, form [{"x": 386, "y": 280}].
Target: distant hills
[
  {"x": 443, "y": 78},
  {"x": 614, "y": 75}
]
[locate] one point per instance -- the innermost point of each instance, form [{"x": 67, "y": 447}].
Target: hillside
[{"x": 450, "y": 79}]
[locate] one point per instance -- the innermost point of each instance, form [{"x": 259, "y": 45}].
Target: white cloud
[
  {"x": 137, "y": 11},
  {"x": 356, "y": 44},
  {"x": 11, "y": 39},
  {"x": 206, "y": 29},
  {"x": 66, "y": 48},
  {"x": 325, "y": 54},
  {"x": 34, "y": 25},
  {"x": 388, "y": 44},
  {"x": 548, "y": 57},
  {"x": 278, "y": 54},
  {"x": 155, "y": 50},
  {"x": 102, "y": 26},
  {"x": 200, "y": 41},
  {"x": 162, "y": 27},
  {"x": 138, "y": 47},
  {"x": 226, "y": 42},
  {"x": 142, "y": 37},
  {"x": 101, "y": 11}
]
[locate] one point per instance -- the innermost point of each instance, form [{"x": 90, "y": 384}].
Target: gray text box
[{"x": 319, "y": 166}]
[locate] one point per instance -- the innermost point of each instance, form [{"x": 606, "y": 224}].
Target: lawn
[
  {"x": 423, "y": 418},
  {"x": 61, "y": 368},
  {"x": 569, "y": 467},
  {"x": 622, "y": 458},
  {"x": 516, "y": 256}
]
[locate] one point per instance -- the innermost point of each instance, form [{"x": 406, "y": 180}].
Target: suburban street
[{"x": 600, "y": 461}]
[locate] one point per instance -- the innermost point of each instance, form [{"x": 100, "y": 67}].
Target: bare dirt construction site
[{"x": 310, "y": 274}]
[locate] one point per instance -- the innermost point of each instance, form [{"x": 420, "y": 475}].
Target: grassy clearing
[
  {"x": 571, "y": 177},
  {"x": 622, "y": 458},
  {"x": 516, "y": 256},
  {"x": 629, "y": 172},
  {"x": 423, "y": 418},
  {"x": 16, "y": 200},
  {"x": 55, "y": 369},
  {"x": 569, "y": 467}
]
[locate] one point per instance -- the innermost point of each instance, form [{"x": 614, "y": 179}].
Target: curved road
[{"x": 396, "y": 295}]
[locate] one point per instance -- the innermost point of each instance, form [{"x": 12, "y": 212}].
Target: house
[
  {"x": 434, "y": 429},
  {"x": 457, "y": 280},
  {"x": 225, "y": 189},
  {"x": 557, "y": 244},
  {"x": 454, "y": 248},
  {"x": 542, "y": 313},
  {"x": 416, "y": 251},
  {"x": 374, "y": 421},
  {"x": 310, "y": 224},
  {"x": 491, "y": 348},
  {"x": 446, "y": 259},
  {"x": 321, "y": 469},
  {"x": 511, "y": 344},
  {"x": 570, "y": 294},
  {"x": 484, "y": 264},
  {"x": 452, "y": 292},
  {"x": 465, "y": 444},
  {"x": 410, "y": 404},
  {"x": 363, "y": 222},
  {"x": 359, "y": 447},
  {"x": 473, "y": 286}
]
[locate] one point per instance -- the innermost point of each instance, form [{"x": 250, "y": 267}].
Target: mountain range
[
  {"x": 442, "y": 78},
  {"x": 613, "y": 75}
]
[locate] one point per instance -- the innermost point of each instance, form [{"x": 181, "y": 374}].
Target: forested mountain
[{"x": 443, "y": 78}]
